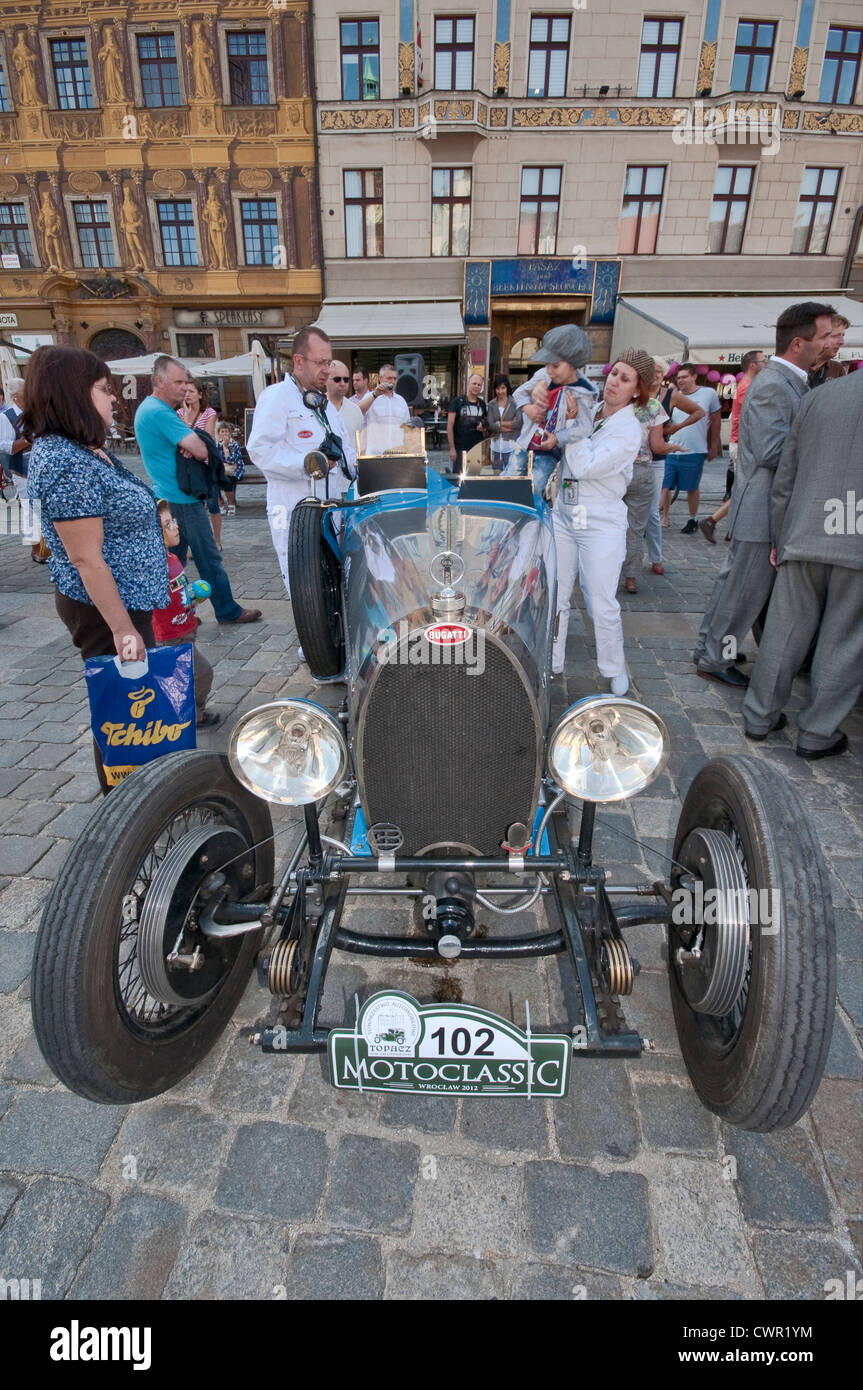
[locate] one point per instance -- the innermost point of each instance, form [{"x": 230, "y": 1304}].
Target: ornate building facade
[
  {"x": 158, "y": 187},
  {"x": 537, "y": 161}
]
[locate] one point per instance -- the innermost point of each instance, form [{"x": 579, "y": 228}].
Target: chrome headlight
[
  {"x": 290, "y": 751},
  {"x": 605, "y": 749}
]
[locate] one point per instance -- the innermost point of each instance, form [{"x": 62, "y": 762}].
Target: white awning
[
  {"x": 717, "y": 329},
  {"x": 395, "y": 323}
]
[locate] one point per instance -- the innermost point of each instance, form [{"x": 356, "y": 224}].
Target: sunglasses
[{"x": 340, "y": 378}]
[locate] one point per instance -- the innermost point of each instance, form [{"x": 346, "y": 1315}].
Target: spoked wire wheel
[
  {"x": 127, "y": 993},
  {"x": 756, "y": 1040}
]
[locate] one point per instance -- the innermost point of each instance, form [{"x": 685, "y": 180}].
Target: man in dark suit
[
  {"x": 819, "y": 585},
  {"x": 743, "y": 584}
]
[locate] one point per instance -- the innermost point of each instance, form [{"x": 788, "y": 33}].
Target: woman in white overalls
[{"x": 590, "y": 517}]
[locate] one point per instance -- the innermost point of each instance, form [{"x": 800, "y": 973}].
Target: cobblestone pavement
[{"x": 255, "y": 1179}]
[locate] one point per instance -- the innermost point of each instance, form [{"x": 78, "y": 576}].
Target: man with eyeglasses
[
  {"x": 292, "y": 418},
  {"x": 352, "y": 416}
]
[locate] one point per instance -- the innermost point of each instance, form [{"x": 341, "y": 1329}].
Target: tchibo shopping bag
[{"x": 141, "y": 709}]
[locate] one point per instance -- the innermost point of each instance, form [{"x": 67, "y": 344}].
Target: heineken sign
[{"x": 455, "y": 1049}]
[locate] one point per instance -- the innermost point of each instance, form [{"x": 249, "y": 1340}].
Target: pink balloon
[
  {"x": 607, "y": 368},
  {"x": 728, "y": 379},
  {"x": 713, "y": 375},
  {"x": 673, "y": 368},
  {"x": 739, "y": 376},
  {"x": 701, "y": 369}
]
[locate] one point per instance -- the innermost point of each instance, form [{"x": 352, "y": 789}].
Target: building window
[
  {"x": 841, "y": 65},
  {"x": 15, "y": 235},
  {"x": 177, "y": 229},
  {"x": 660, "y": 52},
  {"x": 361, "y": 60},
  {"x": 815, "y": 208},
  {"x": 450, "y": 212},
  {"x": 642, "y": 204},
  {"x": 731, "y": 194},
  {"x": 160, "y": 82},
  {"x": 548, "y": 57},
  {"x": 538, "y": 211},
  {"x": 72, "y": 74},
  {"x": 94, "y": 233},
  {"x": 196, "y": 345},
  {"x": 364, "y": 212},
  {"x": 753, "y": 54},
  {"x": 247, "y": 69},
  {"x": 4, "y": 92},
  {"x": 453, "y": 55},
  {"x": 260, "y": 221}
]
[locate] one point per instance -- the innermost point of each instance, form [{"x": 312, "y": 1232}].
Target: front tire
[
  {"x": 758, "y": 1066},
  {"x": 99, "y": 1028},
  {"x": 314, "y": 575}
]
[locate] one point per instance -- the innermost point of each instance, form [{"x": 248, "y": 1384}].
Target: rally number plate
[{"x": 454, "y": 1049}]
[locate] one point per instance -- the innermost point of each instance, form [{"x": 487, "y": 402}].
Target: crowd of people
[{"x": 607, "y": 465}]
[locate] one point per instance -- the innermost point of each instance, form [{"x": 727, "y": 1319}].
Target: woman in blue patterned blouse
[
  {"x": 232, "y": 462},
  {"x": 108, "y": 559}
]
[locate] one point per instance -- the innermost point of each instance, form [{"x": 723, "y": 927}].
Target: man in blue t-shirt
[
  {"x": 159, "y": 431},
  {"x": 700, "y": 443}
]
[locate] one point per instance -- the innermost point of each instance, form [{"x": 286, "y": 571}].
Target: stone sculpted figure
[
  {"x": 111, "y": 58},
  {"x": 132, "y": 221},
  {"x": 49, "y": 224},
  {"x": 25, "y": 66},
  {"x": 217, "y": 227},
  {"x": 201, "y": 53}
]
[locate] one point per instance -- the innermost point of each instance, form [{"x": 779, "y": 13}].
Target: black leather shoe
[
  {"x": 728, "y": 676},
  {"x": 690, "y": 528},
  {"x": 774, "y": 729},
  {"x": 813, "y": 754}
]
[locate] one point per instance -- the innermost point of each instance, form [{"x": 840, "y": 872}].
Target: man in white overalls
[{"x": 291, "y": 418}]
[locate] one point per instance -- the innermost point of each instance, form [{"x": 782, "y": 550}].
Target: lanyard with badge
[{"x": 569, "y": 486}]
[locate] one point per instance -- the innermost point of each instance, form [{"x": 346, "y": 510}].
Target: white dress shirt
[{"x": 384, "y": 419}]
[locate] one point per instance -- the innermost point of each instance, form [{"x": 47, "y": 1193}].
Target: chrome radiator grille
[{"x": 449, "y": 756}]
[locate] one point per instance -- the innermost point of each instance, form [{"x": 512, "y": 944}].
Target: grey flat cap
[{"x": 566, "y": 343}]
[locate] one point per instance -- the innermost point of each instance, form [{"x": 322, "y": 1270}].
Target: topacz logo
[
  {"x": 447, "y": 634},
  {"x": 77, "y": 1343}
]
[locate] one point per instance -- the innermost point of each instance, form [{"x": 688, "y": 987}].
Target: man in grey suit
[
  {"x": 819, "y": 556},
  {"x": 743, "y": 584}
]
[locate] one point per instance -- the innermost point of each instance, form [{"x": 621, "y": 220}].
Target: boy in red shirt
[{"x": 178, "y": 622}]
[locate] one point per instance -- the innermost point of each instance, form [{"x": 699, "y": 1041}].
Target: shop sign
[
  {"x": 8, "y": 320},
  {"x": 229, "y": 318}
]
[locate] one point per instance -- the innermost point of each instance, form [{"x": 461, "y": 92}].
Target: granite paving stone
[
  {"x": 18, "y": 853},
  {"x": 225, "y": 1258},
  {"x": 10, "y": 1191},
  {"x": 672, "y": 1116},
  {"x": 134, "y": 1251},
  {"x": 173, "y": 1145},
  {"x": 698, "y": 1225},
  {"x": 48, "y": 1233},
  {"x": 836, "y": 1116},
  {"x": 581, "y": 1217},
  {"x": 16, "y": 954},
  {"x": 805, "y": 1267},
  {"x": 335, "y": 1267},
  {"x": 464, "y": 1206},
  {"x": 372, "y": 1184},
  {"x": 57, "y": 1132},
  {"x": 777, "y": 1177},
  {"x": 509, "y": 1126},
  {"x": 442, "y": 1278},
  {"x": 540, "y": 1283},
  {"x": 598, "y": 1115},
  {"x": 429, "y": 1114},
  {"x": 274, "y": 1170}
]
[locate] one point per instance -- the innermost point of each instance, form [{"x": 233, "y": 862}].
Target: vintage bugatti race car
[{"x": 451, "y": 789}]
